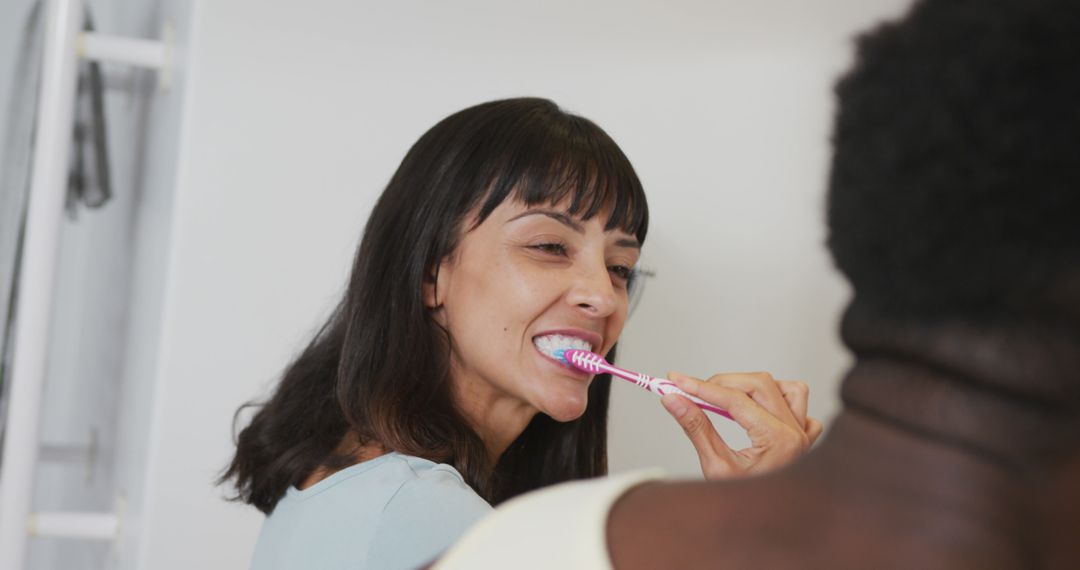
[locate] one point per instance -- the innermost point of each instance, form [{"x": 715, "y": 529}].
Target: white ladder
[{"x": 65, "y": 44}]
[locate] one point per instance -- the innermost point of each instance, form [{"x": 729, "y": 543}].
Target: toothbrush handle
[
  {"x": 663, "y": 387},
  {"x": 666, "y": 387}
]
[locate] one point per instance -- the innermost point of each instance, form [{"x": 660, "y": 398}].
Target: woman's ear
[{"x": 431, "y": 287}]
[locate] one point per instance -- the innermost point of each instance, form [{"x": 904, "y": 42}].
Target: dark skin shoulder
[{"x": 867, "y": 499}]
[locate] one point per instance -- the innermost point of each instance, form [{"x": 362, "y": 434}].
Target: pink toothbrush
[{"x": 595, "y": 364}]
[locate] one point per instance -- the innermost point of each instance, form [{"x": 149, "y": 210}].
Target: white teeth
[{"x": 552, "y": 343}]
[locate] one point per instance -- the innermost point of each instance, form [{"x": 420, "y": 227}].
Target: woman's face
[{"x": 530, "y": 274}]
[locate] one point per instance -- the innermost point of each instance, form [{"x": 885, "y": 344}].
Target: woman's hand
[{"x": 773, "y": 413}]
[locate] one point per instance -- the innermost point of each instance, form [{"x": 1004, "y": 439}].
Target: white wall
[
  {"x": 161, "y": 149},
  {"x": 735, "y": 179}
]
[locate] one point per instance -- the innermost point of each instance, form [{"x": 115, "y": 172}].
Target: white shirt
[{"x": 564, "y": 527}]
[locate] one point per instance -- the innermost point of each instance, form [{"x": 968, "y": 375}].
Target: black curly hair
[{"x": 955, "y": 182}]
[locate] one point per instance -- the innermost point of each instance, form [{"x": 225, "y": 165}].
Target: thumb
[{"x": 710, "y": 447}]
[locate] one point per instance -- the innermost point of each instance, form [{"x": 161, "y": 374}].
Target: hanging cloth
[{"x": 88, "y": 182}]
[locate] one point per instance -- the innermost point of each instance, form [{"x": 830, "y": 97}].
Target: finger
[
  {"x": 673, "y": 375},
  {"x": 758, "y": 422},
  {"x": 797, "y": 395},
  {"x": 764, "y": 390},
  {"x": 813, "y": 429},
  {"x": 773, "y": 442},
  {"x": 759, "y": 388},
  {"x": 715, "y": 456}
]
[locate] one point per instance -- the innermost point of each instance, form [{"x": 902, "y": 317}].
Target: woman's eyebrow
[
  {"x": 553, "y": 214},
  {"x": 571, "y": 223}
]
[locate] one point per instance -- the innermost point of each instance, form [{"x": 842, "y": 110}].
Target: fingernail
[{"x": 677, "y": 406}]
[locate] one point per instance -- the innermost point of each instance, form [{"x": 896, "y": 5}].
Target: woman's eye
[
  {"x": 622, "y": 272},
  {"x": 552, "y": 248}
]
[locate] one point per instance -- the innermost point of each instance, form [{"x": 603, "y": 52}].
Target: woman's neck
[{"x": 494, "y": 415}]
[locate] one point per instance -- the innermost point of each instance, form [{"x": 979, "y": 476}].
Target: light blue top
[{"x": 394, "y": 511}]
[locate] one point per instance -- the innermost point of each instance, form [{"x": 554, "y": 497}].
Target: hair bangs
[{"x": 577, "y": 164}]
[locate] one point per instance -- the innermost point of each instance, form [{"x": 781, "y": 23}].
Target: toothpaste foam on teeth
[{"x": 552, "y": 345}]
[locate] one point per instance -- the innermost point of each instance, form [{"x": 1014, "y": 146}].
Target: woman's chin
[{"x": 567, "y": 409}]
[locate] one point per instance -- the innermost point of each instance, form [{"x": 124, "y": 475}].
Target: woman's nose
[{"x": 592, "y": 291}]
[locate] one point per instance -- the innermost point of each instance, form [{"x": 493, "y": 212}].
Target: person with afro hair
[{"x": 954, "y": 211}]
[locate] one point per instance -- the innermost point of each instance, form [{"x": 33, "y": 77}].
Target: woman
[{"x": 510, "y": 228}]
